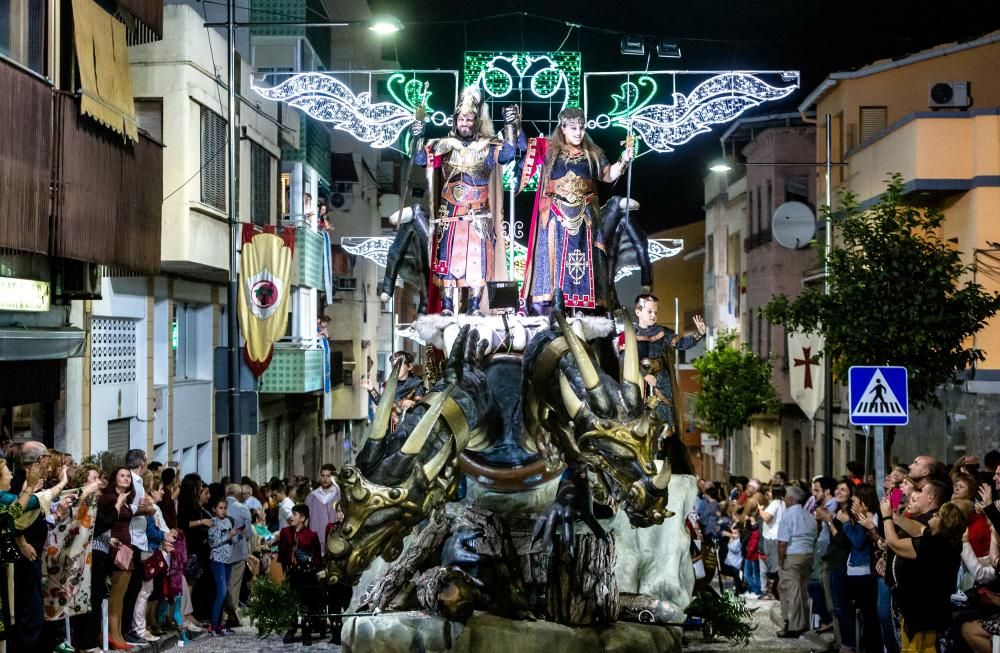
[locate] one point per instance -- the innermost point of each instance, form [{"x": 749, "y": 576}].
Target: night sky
[{"x": 812, "y": 36}]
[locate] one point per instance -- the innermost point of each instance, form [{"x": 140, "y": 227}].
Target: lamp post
[{"x": 381, "y": 25}]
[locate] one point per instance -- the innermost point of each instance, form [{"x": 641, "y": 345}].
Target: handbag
[
  {"x": 123, "y": 557},
  {"x": 153, "y": 566},
  {"x": 194, "y": 569}
]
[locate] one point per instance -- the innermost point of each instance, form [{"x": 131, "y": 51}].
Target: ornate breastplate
[
  {"x": 466, "y": 158},
  {"x": 571, "y": 189}
]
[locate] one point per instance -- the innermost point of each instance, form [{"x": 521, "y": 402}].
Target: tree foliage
[
  {"x": 899, "y": 295},
  {"x": 735, "y": 386}
]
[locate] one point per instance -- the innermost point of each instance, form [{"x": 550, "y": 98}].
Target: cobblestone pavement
[
  {"x": 245, "y": 641},
  {"x": 765, "y": 639}
]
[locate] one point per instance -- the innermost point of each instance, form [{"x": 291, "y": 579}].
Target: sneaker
[
  {"x": 131, "y": 637},
  {"x": 749, "y": 595},
  {"x": 192, "y": 627},
  {"x": 149, "y": 637},
  {"x": 226, "y": 630}
]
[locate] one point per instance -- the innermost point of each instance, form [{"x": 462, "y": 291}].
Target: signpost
[{"x": 878, "y": 397}]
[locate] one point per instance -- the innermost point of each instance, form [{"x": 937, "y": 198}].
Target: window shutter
[
  {"x": 213, "y": 159},
  {"x": 873, "y": 120},
  {"x": 260, "y": 198},
  {"x": 118, "y": 434}
]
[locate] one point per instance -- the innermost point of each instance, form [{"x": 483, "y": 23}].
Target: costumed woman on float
[{"x": 565, "y": 247}]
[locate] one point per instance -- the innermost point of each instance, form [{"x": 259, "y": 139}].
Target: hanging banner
[
  {"x": 806, "y": 370},
  {"x": 265, "y": 284}
]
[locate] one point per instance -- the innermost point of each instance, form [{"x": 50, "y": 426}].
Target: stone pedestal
[{"x": 405, "y": 632}]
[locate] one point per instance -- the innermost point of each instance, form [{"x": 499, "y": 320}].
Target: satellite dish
[{"x": 793, "y": 225}]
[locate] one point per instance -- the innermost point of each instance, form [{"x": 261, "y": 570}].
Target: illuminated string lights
[
  {"x": 658, "y": 249},
  {"x": 717, "y": 100},
  {"x": 376, "y": 250},
  {"x": 328, "y": 99}
]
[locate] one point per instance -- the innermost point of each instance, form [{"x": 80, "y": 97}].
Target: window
[
  {"x": 710, "y": 253},
  {"x": 22, "y": 33},
  {"x": 797, "y": 188},
  {"x": 759, "y": 211},
  {"x": 213, "y": 159},
  {"x": 189, "y": 322},
  {"x": 770, "y": 203},
  {"x": 118, "y": 431},
  {"x": 760, "y": 334},
  {"x": 260, "y": 188},
  {"x": 149, "y": 113},
  {"x": 750, "y": 229},
  {"x": 872, "y": 121}
]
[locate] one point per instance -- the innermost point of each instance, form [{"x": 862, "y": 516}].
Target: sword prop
[{"x": 419, "y": 114}]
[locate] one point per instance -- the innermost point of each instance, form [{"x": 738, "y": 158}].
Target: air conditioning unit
[
  {"x": 346, "y": 283},
  {"x": 341, "y": 201},
  {"x": 77, "y": 280},
  {"x": 949, "y": 95}
]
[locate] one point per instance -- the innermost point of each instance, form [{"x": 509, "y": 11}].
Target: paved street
[
  {"x": 245, "y": 640},
  {"x": 765, "y": 639}
]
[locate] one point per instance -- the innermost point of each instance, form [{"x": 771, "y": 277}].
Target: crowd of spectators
[
  {"x": 909, "y": 566},
  {"x": 133, "y": 551}
]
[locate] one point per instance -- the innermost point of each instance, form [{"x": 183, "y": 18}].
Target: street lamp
[{"x": 385, "y": 24}]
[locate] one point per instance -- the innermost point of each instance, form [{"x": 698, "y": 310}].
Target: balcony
[
  {"x": 308, "y": 263},
  {"x": 108, "y": 193},
  {"x": 293, "y": 369}
]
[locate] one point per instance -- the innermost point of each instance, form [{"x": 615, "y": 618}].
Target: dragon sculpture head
[
  {"x": 400, "y": 477},
  {"x": 578, "y": 412}
]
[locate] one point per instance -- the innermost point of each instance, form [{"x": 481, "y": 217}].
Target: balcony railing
[
  {"x": 309, "y": 257},
  {"x": 293, "y": 369}
]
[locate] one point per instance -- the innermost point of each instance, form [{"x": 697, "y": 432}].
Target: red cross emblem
[{"x": 807, "y": 361}]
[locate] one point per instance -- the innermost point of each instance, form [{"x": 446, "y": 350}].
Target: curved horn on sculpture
[
  {"x": 418, "y": 437},
  {"x": 434, "y": 466},
  {"x": 380, "y": 425},
  {"x": 588, "y": 372},
  {"x": 662, "y": 478},
  {"x": 569, "y": 398},
  {"x": 630, "y": 368}
]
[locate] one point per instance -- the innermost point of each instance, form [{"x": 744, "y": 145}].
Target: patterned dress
[{"x": 565, "y": 248}]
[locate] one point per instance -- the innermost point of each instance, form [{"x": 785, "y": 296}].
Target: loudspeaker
[{"x": 503, "y": 295}]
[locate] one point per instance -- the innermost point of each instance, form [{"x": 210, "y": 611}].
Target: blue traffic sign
[{"x": 878, "y": 396}]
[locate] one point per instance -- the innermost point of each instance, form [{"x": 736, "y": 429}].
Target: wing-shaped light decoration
[
  {"x": 717, "y": 100},
  {"x": 374, "y": 249},
  {"x": 328, "y": 99},
  {"x": 659, "y": 248}
]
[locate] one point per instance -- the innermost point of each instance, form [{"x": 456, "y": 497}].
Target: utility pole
[
  {"x": 827, "y": 360},
  {"x": 232, "y": 322}
]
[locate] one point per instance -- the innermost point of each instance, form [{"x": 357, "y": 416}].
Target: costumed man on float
[
  {"x": 565, "y": 246},
  {"x": 657, "y": 357},
  {"x": 409, "y": 388},
  {"x": 467, "y": 244}
]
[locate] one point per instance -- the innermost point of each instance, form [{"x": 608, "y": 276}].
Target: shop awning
[
  {"x": 102, "y": 54},
  {"x": 23, "y": 344}
]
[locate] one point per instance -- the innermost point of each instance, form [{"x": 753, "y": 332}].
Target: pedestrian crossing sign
[{"x": 878, "y": 396}]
